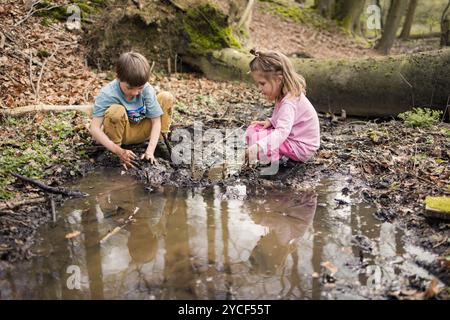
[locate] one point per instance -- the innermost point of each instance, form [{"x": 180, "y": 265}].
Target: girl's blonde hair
[{"x": 276, "y": 63}]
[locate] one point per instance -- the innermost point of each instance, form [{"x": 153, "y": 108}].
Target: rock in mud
[{"x": 235, "y": 192}]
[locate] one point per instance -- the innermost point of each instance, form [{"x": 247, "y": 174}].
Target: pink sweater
[{"x": 294, "y": 119}]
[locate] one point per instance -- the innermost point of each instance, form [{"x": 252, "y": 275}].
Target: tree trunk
[
  {"x": 395, "y": 13},
  {"x": 348, "y": 12},
  {"x": 357, "y": 22},
  {"x": 382, "y": 18},
  {"x": 445, "y": 27},
  {"x": 325, "y": 7},
  {"x": 406, "y": 31},
  {"x": 240, "y": 15},
  {"x": 381, "y": 86}
]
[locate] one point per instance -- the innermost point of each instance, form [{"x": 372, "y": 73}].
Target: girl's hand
[
  {"x": 266, "y": 123},
  {"x": 150, "y": 157}
]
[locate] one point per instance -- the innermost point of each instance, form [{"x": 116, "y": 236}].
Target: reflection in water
[
  {"x": 193, "y": 244},
  {"x": 270, "y": 253}
]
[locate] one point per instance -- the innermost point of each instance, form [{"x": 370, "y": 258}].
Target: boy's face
[{"x": 129, "y": 91}]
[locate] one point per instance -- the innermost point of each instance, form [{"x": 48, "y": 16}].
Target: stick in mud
[
  {"x": 52, "y": 204},
  {"x": 12, "y": 205},
  {"x": 44, "y": 187},
  {"x": 166, "y": 142}
]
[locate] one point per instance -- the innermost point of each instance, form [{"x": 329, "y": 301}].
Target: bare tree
[
  {"x": 445, "y": 27},
  {"x": 325, "y": 7},
  {"x": 409, "y": 19},
  {"x": 396, "y": 11},
  {"x": 348, "y": 12},
  {"x": 240, "y": 14}
]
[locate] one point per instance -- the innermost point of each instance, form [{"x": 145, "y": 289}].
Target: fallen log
[
  {"x": 86, "y": 108},
  {"x": 12, "y": 205},
  {"x": 57, "y": 190},
  {"x": 380, "y": 86}
]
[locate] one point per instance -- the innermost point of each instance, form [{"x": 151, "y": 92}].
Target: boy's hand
[
  {"x": 126, "y": 157},
  {"x": 150, "y": 157}
]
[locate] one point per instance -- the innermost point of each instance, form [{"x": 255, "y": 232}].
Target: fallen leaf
[
  {"x": 432, "y": 290},
  {"x": 331, "y": 267},
  {"x": 74, "y": 234}
]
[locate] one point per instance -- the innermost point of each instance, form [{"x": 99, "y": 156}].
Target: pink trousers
[{"x": 255, "y": 133}]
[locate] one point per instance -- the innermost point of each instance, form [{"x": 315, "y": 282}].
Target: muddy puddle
[{"x": 212, "y": 243}]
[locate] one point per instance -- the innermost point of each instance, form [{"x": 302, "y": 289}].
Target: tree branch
[
  {"x": 38, "y": 83},
  {"x": 44, "y": 187}
]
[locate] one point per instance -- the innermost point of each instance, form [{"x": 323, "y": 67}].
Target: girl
[{"x": 293, "y": 130}]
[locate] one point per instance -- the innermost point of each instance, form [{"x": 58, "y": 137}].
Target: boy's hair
[
  {"x": 133, "y": 68},
  {"x": 276, "y": 63}
]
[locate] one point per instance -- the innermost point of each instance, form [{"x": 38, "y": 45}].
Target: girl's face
[{"x": 270, "y": 88}]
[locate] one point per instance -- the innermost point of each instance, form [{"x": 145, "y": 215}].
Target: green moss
[
  {"x": 60, "y": 13},
  {"x": 208, "y": 29},
  {"x": 296, "y": 13},
  {"x": 43, "y": 54},
  {"x": 445, "y": 132},
  {"x": 57, "y": 13},
  {"x": 35, "y": 147},
  {"x": 47, "y": 22},
  {"x": 438, "y": 203}
]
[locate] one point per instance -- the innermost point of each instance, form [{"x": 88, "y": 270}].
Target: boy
[{"x": 129, "y": 110}]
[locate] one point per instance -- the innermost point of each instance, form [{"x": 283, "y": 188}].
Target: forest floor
[{"x": 386, "y": 163}]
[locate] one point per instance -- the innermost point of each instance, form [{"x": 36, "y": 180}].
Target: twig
[
  {"x": 38, "y": 83},
  {"x": 410, "y": 85},
  {"x": 12, "y": 205},
  {"x": 31, "y": 74},
  {"x": 33, "y": 11},
  {"x": 16, "y": 221},
  {"x": 2, "y": 104},
  {"x": 357, "y": 122},
  {"x": 166, "y": 142},
  {"x": 52, "y": 204},
  {"x": 446, "y": 108},
  {"x": 117, "y": 229},
  {"x": 153, "y": 65},
  {"x": 9, "y": 37},
  {"x": 2, "y": 40},
  {"x": 56, "y": 190},
  {"x": 175, "y": 62},
  {"x": 415, "y": 159},
  {"x": 226, "y": 111},
  {"x": 175, "y": 4}
]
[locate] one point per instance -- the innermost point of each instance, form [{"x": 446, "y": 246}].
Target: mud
[{"x": 384, "y": 164}]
